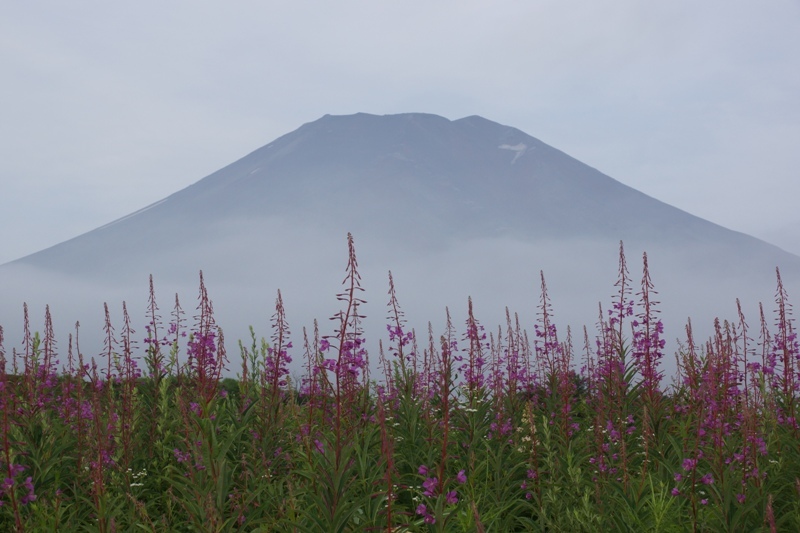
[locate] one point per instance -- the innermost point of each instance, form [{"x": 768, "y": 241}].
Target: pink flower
[
  {"x": 181, "y": 457},
  {"x": 430, "y": 485},
  {"x": 422, "y": 470},
  {"x": 423, "y": 511},
  {"x": 30, "y": 496}
]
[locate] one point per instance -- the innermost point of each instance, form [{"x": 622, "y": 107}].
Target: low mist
[{"x": 243, "y": 279}]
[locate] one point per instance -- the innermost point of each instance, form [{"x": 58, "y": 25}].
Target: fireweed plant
[{"x": 467, "y": 429}]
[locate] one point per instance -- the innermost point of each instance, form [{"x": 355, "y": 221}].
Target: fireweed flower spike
[
  {"x": 648, "y": 344},
  {"x": 339, "y": 453}
]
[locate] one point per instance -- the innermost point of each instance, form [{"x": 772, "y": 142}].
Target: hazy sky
[{"x": 109, "y": 106}]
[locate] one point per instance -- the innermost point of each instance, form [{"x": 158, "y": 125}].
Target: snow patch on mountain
[{"x": 518, "y": 148}]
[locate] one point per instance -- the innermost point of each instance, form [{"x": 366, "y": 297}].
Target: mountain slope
[
  {"x": 454, "y": 208},
  {"x": 417, "y": 175}
]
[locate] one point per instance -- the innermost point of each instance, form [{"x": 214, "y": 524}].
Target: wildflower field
[{"x": 466, "y": 429}]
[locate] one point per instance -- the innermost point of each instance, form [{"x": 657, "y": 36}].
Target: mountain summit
[{"x": 454, "y": 208}]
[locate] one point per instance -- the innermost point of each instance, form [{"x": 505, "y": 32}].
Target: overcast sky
[{"x": 109, "y": 106}]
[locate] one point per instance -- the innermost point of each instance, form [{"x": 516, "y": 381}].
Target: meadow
[{"x": 519, "y": 427}]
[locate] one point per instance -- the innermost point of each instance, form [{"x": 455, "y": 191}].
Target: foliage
[{"x": 480, "y": 432}]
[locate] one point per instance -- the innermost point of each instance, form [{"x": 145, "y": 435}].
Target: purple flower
[
  {"x": 708, "y": 479},
  {"x": 423, "y": 511},
  {"x": 430, "y": 486},
  {"x": 676, "y": 492},
  {"x": 740, "y": 498},
  {"x": 319, "y": 446},
  {"x": 181, "y": 457},
  {"x": 689, "y": 464},
  {"x": 422, "y": 470},
  {"x": 704, "y": 501},
  {"x": 30, "y": 496},
  {"x": 461, "y": 477},
  {"x": 452, "y": 498}
]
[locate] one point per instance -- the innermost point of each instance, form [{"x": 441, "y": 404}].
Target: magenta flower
[
  {"x": 430, "y": 486},
  {"x": 319, "y": 446},
  {"x": 30, "y": 496},
  {"x": 452, "y": 498},
  {"x": 422, "y": 470},
  {"x": 423, "y": 511},
  {"x": 461, "y": 477},
  {"x": 181, "y": 457}
]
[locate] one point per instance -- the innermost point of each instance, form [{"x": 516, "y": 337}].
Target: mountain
[{"x": 453, "y": 208}]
